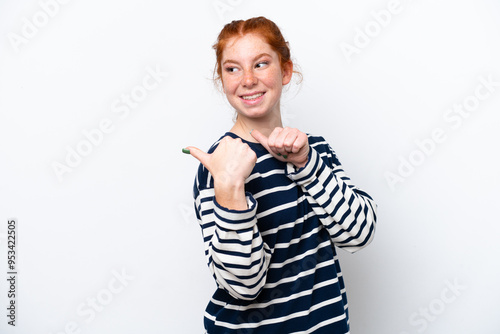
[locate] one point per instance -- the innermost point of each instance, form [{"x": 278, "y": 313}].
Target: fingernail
[
  {"x": 279, "y": 154},
  {"x": 185, "y": 150},
  {"x": 285, "y": 156}
]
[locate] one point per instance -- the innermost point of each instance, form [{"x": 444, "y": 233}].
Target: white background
[{"x": 126, "y": 206}]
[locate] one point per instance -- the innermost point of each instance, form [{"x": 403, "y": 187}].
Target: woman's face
[{"x": 252, "y": 77}]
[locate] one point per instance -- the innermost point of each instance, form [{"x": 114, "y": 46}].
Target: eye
[
  {"x": 231, "y": 69},
  {"x": 261, "y": 64}
]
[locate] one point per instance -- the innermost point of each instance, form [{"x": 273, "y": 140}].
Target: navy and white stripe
[{"x": 275, "y": 263}]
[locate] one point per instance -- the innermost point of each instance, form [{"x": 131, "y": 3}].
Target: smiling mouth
[{"x": 252, "y": 97}]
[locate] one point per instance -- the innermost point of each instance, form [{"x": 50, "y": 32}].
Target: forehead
[{"x": 246, "y": 47}]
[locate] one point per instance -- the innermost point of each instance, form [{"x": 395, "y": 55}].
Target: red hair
[{"x": 261, "y": 26}]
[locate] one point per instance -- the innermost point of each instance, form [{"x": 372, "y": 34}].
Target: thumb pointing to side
[
  {"x": 202, "y": 157},
  {"x": 262, "y": 139}
]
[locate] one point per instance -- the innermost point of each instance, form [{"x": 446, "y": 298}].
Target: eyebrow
[{"x": 257, "y": 57}]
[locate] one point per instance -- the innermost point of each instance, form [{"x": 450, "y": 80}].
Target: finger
[
  {"x": 273, "y": 136},
  {"x": 285, "y": 140},
  {"x": 258, "y": 136},
  {"x": 202, "y": 157},
  {"x": 264, "y": 141},
  {"x": 275, "y": 141},
  {"x": 289, "y": 138},
  {"x": 300, "y": 142}
]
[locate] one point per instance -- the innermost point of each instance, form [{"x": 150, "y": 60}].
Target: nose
[{"x": 249, "y": 79}]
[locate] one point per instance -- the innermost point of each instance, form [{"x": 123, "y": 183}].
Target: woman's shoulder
[
  {"x": 256, "y": 147},
  {"x": 314, "y": 138},
  {"x": 216, "y": 143},
  {"x": 318, "y": 141},
  {"x": 319, "y": 144}
]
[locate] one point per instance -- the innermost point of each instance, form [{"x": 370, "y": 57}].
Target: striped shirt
[{"x": 275, "y": 264}]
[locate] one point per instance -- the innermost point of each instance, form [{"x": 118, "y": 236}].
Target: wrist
[
  {"x": 303, "y": 163},
  {"x": 300, "y": 165},
  {"x": 231, "y": 195}
]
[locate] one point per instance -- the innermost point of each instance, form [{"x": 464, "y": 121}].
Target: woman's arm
[
  {"x": 235, "y": 251},
  {"x": 348, "y": 213}
]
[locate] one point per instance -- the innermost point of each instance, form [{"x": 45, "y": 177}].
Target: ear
[{"x": 287, "y": 72}]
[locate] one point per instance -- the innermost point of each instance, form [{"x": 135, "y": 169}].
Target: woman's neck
[{"x": 243, "y": 126}]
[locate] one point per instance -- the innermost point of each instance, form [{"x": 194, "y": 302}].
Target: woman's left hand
[{"x": 285, "y": 144}]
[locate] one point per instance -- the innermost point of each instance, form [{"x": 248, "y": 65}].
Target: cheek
[
  {"x": 229, "y": 84},
  {"x": 273, "y": 79}
]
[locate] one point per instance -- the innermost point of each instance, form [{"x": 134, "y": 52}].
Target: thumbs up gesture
[
  {"x": 285, "y": 144},
  {"x": 230, "y": 164}
]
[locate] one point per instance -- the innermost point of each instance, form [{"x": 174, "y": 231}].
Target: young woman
[{"x": 273, "y": 203}]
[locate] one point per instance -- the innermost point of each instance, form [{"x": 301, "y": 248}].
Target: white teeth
[{"x": 252, "y": 97}]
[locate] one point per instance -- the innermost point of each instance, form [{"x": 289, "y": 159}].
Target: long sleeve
[
  {"x": 235, "y": 251},
  {"x": 348, "y": 213},
  {"x": 293, "y": 215}
]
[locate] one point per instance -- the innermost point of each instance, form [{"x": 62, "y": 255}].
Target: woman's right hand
[{"x": 230, "y": 164}]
